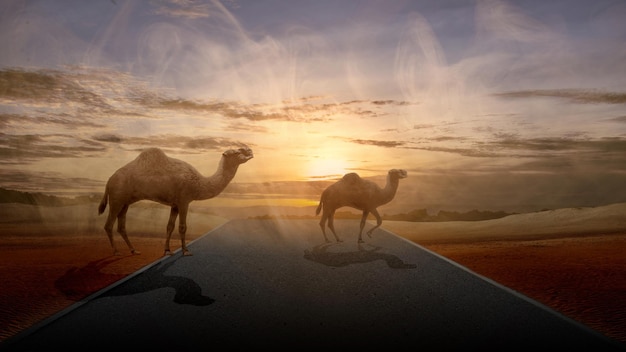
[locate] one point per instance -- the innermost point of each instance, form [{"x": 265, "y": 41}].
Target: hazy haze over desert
[
  {"x": 489, "y": 105},
  {"x": 499, "y": 105}
]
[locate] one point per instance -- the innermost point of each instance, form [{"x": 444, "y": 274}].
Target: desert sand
[
  {"x": 54, "y": 257},
  {"x": 571, "y": 260}
]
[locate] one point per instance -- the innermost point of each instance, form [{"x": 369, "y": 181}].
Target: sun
[{"x": 325, "y": 169}]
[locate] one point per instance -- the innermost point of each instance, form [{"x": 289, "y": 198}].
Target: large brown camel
[
  {"x": 155, "y": 176},
  {"x": 353, "y": 191}
]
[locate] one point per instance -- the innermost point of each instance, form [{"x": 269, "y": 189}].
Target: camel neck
[
  {"x": 390, "y": 188},
  {"x": 217, "y": 182}
]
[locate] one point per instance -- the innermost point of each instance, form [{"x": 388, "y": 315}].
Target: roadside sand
[
  {"x": 53, "y": 257},
  {"x": 49, "y": 260},
  {"x": 580, "y": 277},
  {"x": 571, "y": 260}
]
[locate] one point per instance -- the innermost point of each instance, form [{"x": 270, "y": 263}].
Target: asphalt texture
[{"x": 277, "y": 284}]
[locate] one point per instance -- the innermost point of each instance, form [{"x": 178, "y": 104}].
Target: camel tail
[
  {"x": 319, "y": 207},
  {"x": 103, "y": 202}
]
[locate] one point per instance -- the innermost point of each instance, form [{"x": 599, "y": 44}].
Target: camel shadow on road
[
  {"x": 322, "y": 255},
  {"x": 187, "y": 290},
  {"x": 78, "y": 283}
]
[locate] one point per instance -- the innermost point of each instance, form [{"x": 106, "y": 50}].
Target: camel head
[
  {"x": 398, "y": 173},
  {"x": 240, "y": 155}
]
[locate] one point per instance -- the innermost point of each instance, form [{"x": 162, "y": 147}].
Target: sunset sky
[{"x": 499, "y": 105}]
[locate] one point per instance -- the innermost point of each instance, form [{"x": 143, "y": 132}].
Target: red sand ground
[
  {"x": 582, "y": 277},
  {"x": 39, "y": 281}
]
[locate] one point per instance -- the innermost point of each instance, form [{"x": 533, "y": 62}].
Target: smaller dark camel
[{"x": 353, "y": 191}]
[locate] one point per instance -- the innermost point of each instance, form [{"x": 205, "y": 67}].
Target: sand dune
[{"x": 544, "y": 224}]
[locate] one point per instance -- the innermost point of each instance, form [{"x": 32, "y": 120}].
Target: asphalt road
[{"x": 265, "y": 283}]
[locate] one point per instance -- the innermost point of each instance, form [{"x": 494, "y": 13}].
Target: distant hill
[
  {"x": 443, "y": 215},
  {"x": 417, "y": 215},
  {"x": 12, "y": 196}
]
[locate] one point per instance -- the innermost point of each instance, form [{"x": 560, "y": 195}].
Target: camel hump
[
  {"x": 151, "y": 157},
  {"x": 351, "y": 177}
]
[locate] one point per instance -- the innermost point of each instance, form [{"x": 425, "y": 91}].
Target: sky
[{"x": 488, "y": 104}]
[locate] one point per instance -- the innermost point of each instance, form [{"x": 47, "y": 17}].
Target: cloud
[
  {"x": 182, "y": 8},
  {"x": 45, "y": 85},
  {"x": 240, "y": 127},
  {"x": 45, "y": 181},
  {"x": 22, "y": 149},
  {"x": 390, "y": 102},
  {"x": 80, "y": 94},
  {"x": 25, "y": 149},
  {"x": 556, "y": 144},
  {"x": 377, "y": 143},
  {"x": 580, "y": 96},
  {"x": 619, "y": 119},
  {"x": 184, "y": 143}
]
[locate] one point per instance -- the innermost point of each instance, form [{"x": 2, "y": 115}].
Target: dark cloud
[
  {"x": 21, "y": 149},
  {"x": 560, "y": 144},
  {"x": 210, "y": 143},
  {"x": 89, "y": 94},
  {"x": 254, "y": 112},
  {"x": 184, "y": 9},
  {"x": 423, "y": 126},
  {"x": 6, "y": 119},
  {"x": 25, "y": 149},
  {"x": 108, "y": 138},
  {"x": 575, "y": 95},
  {"x": 46, "y": 85},
  {"x": 76, "y": 96},
  {"x": 184, "y": 143},
  {"x": 239, "y": 127},
  {"x": 470, "y": 152},
  {"x": 390, "y": 102},
  {"x": 46, "y": 182},
  {"x": 39, "y": 119},
  {"x": 602, "y": 153},
  {"x": 446, "y": 138},
  {"x": 619, "y": 119},
  {"x": 377, "y": 143}
]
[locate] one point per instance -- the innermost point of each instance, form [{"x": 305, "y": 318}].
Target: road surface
[{"x": 269, "y": 283}]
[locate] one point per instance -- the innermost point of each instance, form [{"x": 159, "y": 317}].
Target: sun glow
[{"x": 325, "y": 169}]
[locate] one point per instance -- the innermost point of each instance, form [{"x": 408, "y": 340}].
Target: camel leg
[
  {"x": 182, "y": 228},
  {"x": 362, "y": 225},
  {"x": 331, "y": 225},
  {"x": 323, "y": 225},
  {"x": 121, "y": 228},
  {"x": 108, "y": 227},
  {"x": 170, "y": 228},
  {"x": 379, "y": 221}
]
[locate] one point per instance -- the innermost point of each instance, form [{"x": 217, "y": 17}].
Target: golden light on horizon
[{"x": 326, "y": 169}]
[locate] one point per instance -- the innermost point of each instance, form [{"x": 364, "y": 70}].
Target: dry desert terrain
[{"x": 571, "y": 260}]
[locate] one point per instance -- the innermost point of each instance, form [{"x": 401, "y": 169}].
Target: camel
[
  {"x": 155, "y": 176},
  {"x": 353, "y": 191}
]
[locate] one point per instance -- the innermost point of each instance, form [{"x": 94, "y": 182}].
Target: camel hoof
[
  {"x": 135, "y": 252},
  {"x": 167, "y": 252},
  {"x": 187, "y": 253},
  {"x": 117, "y": 253}
]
